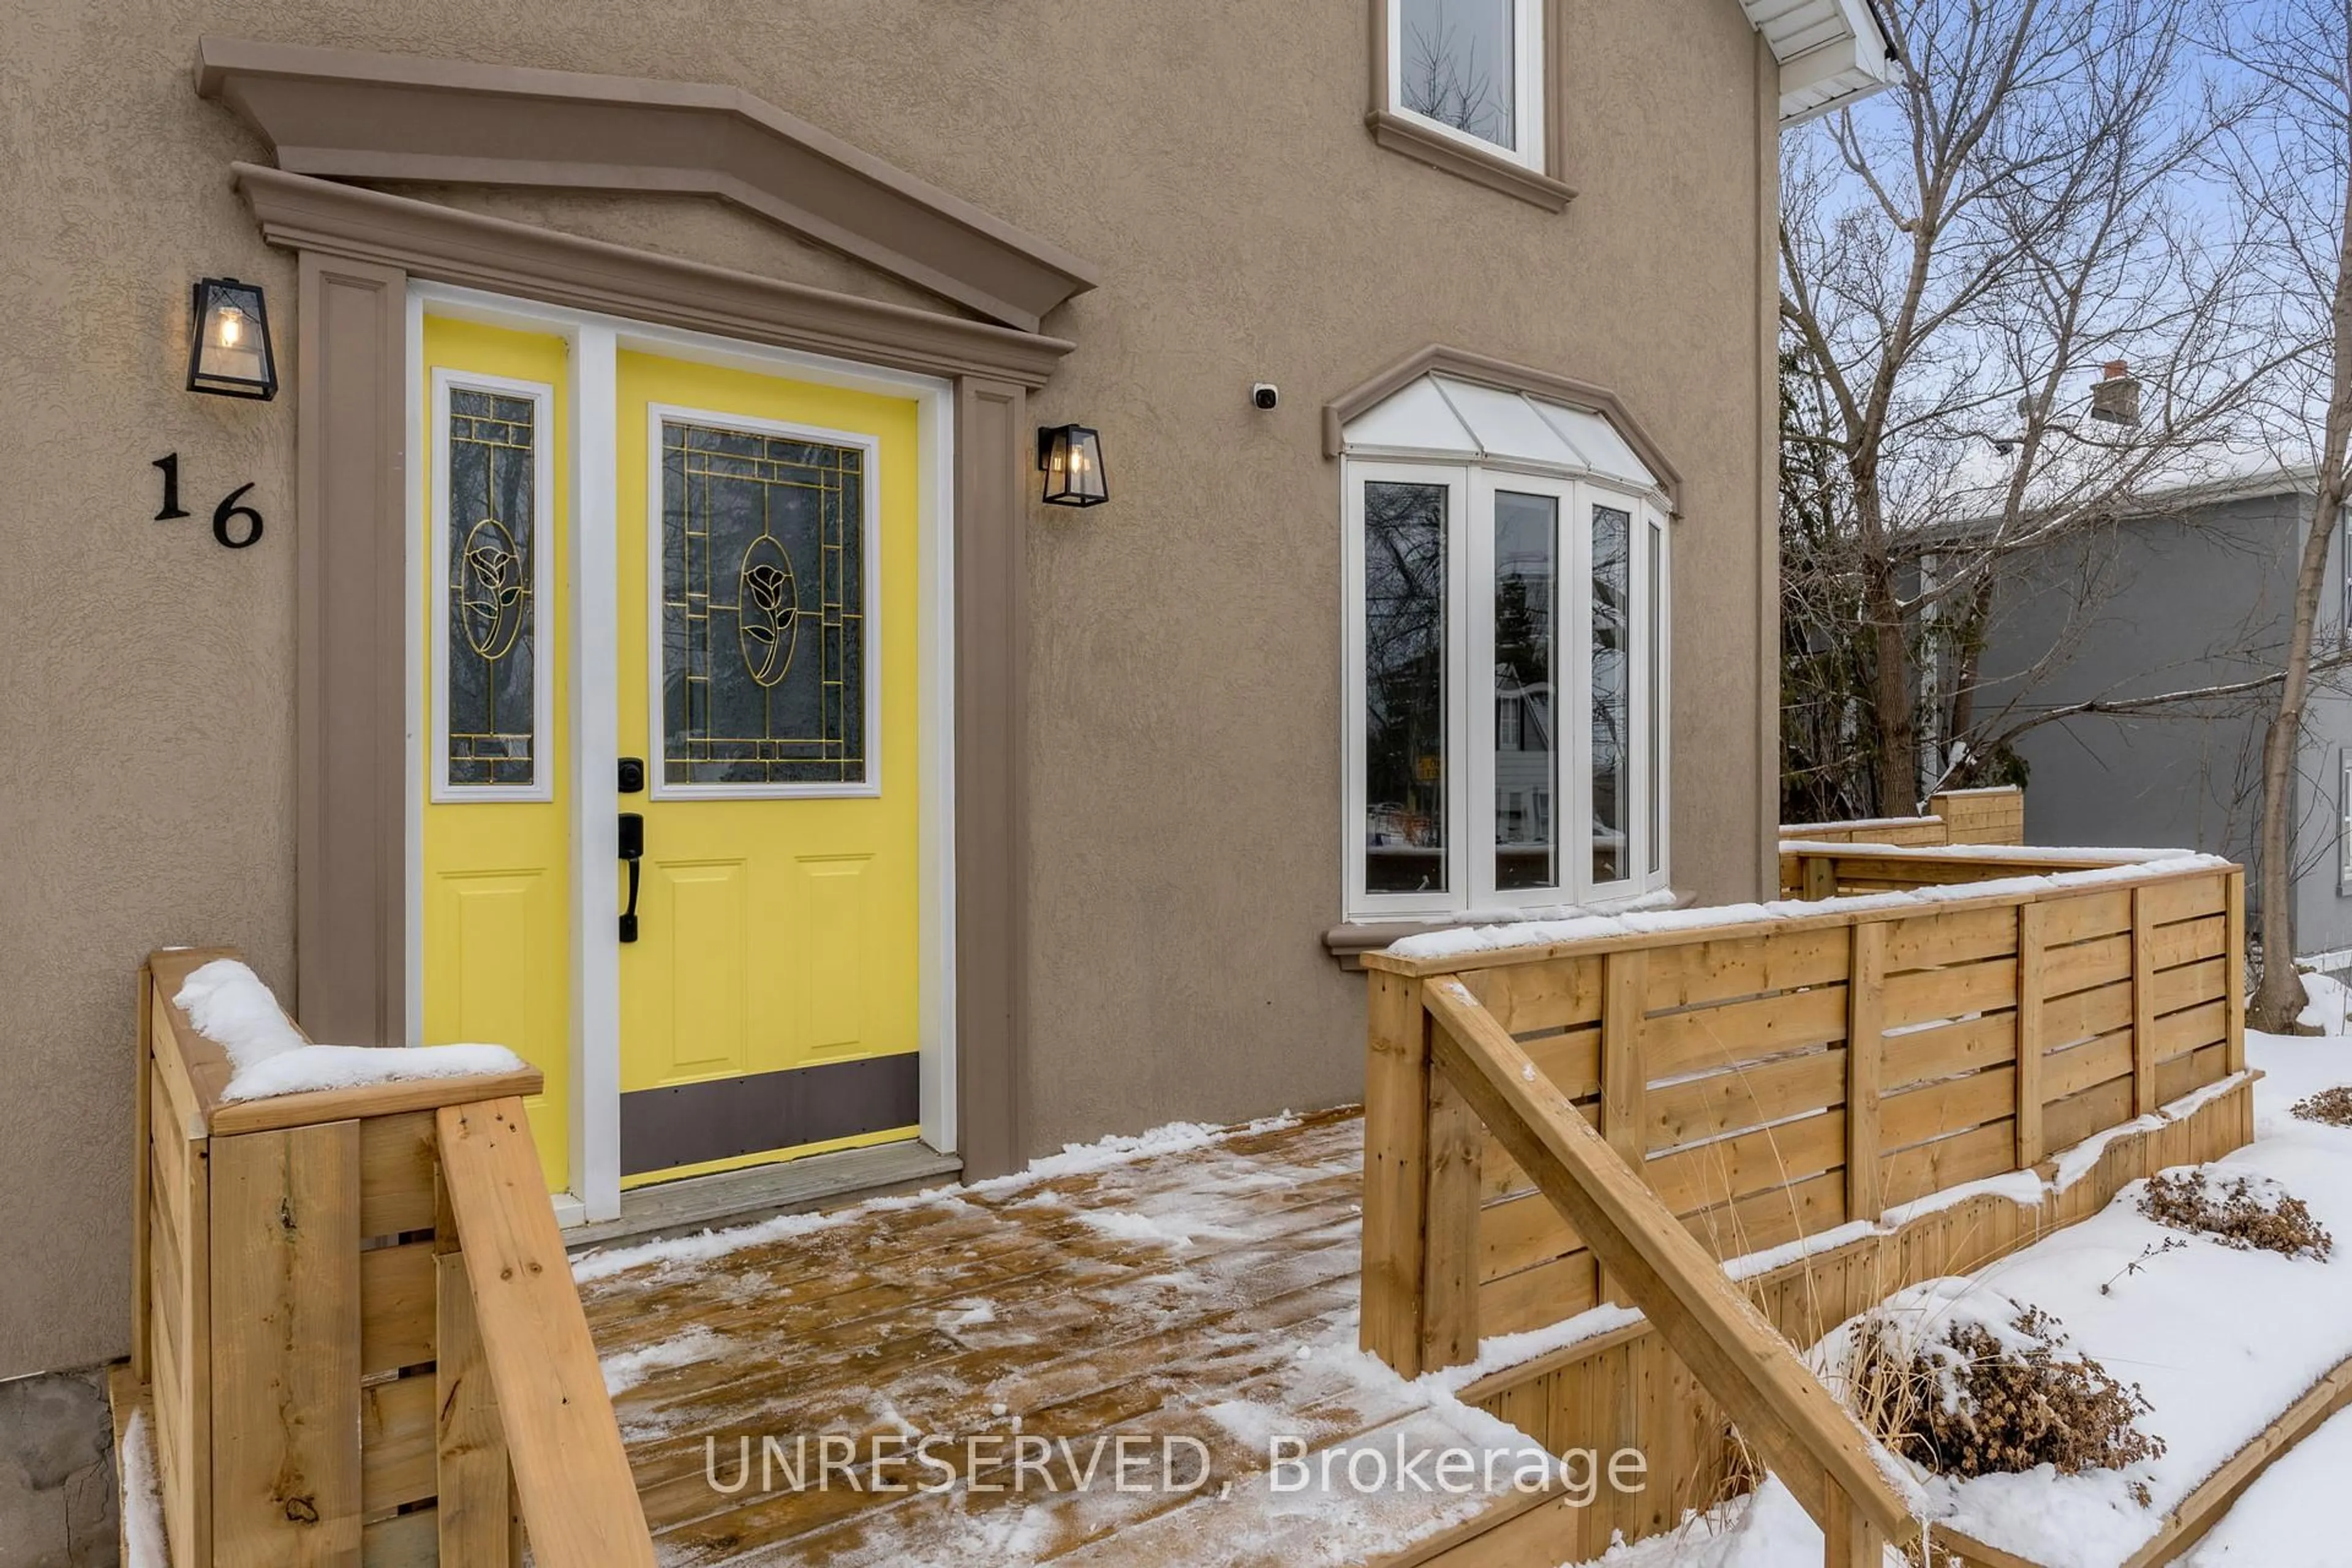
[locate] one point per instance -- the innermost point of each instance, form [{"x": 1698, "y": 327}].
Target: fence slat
[
  {"x": 1396, "y": 1183},
  {"x": 1449, "y": 1277},
  {"x": 286, "y": 1340},
  {"x": 470, "y": 1468},
  {"x": 1864, "y": 1056},
  {"x": 1624, "y": 1077},
  {"x": 2233, "y": 983},
  {"x": 2029, "y": 1040},
  {"x": 2143, "y": 1003}
]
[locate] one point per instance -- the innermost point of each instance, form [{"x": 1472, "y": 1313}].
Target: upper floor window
[
  {"x": 1472, "y": 68},
  {"x": 1507, "y": 659},
  {"x": 1465, "y": 86}
]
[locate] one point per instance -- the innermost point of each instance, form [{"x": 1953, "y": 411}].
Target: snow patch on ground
[
  {"x": 2286, "y": 1519},
  {"x": 1165, "y": 1222},
  {"x": 1126, "y": 1224},
  {"x": 1500, "y": 1351},
  {"x": 686, "y": 1253},
  {"x": 1764, "y": 1529},
  {"x": 1125, "y": 1149},
  {"x": 142, "y": 1498},
  {"x": 267, "y": 1055},
  {"x": 629, "y": 1368},
  {"x": 2327, "y": 1007}
]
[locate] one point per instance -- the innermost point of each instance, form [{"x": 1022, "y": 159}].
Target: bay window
[{"x": 1505, "y": 661}]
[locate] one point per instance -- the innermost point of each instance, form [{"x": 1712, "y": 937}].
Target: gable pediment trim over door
[{"x": 355, "y": 114}]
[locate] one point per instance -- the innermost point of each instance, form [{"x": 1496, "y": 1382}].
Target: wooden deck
[{"x": 1207, "y": 1294}]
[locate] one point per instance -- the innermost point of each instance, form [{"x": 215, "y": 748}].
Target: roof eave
[{"x": 1831, "y": 53}]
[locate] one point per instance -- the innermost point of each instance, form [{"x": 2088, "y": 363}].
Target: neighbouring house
[
  {"x": 622, "y": 609},
  {"x": 2192, "y": 592}
]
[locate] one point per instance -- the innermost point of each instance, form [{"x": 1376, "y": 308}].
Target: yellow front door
[
  {"x": 765, "y": 542},
  {"x": 495, "y": 668},
  {"x": 767, "y": 687}
]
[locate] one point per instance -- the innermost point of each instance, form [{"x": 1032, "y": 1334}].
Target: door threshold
[{"x": 791, "y": 1186}]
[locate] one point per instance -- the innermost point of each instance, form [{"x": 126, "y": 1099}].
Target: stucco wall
[{"x": 1184, "y": 676}]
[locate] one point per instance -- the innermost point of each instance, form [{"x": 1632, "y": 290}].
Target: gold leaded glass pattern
[
  {"x": 490, "y": 670},
  {"x": 762, "y": 612}
]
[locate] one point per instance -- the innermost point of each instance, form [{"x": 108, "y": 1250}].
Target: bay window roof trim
[{"x": 1448, "y": 405}]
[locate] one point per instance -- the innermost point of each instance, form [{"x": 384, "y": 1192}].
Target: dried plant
[
  {"x": 2331, "y": 1106},
  {"x": 2153, "y": 1249},
  {"x": 2250, "y": 1213},
  {"x": 1969, "y": 1402}
]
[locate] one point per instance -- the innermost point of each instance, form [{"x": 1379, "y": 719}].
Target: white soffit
[
  {"x": 1440, "y": 417},
  {"x": 1832, "y": 53}
]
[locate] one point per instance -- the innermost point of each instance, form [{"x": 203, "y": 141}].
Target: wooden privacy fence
[
  {"x": 1952, "y": 817},
  {"x": 1758, "y": 1082},
  {"x": 355, "y": 1323}
]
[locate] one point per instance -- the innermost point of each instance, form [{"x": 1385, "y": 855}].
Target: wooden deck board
[{"x": 1147, "y": 1299}]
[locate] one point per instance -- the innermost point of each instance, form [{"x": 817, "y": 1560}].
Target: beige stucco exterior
[{"x": 1182, "y": 690}]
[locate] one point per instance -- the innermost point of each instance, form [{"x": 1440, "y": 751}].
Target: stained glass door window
[
  {"x": 491, "y": 582},
  {"x": 764, "y": 662}
]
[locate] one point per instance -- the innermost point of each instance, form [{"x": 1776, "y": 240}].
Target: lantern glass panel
[{"x": 232, "y": 353}]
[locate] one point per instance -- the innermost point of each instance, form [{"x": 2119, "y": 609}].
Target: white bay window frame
[{"x": 1470, "y": 690}]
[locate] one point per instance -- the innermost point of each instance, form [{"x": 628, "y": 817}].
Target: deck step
[{"x": 741, "y": 1197}]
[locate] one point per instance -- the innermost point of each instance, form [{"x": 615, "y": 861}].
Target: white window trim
[
  {"x": 1471, "y": 694},
  {"x": 1456, "y": 480},
  {"x": 1530, "y": 122},
  {"x": 870, "y": 528},
  {"x": 542, "y": 397}
]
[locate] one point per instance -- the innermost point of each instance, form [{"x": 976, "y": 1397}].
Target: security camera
[{"x": 1263, "y": 394}]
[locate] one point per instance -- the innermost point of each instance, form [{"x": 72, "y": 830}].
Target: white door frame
[{"x": 593, "y": 343}]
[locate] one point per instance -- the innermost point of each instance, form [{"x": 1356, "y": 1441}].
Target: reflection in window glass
[
  {"x": 1456, "y": 64},
  {"x": 1405, "y": 687},
  {"x": 1653, "y": 671},
  {"x": 763, "y": 609},
  {"x": 1612, "y": 546},
  {"x": 490, "y": 666},
  {"x": 1527, "y": 575}
]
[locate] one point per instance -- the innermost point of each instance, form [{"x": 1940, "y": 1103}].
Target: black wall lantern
[
  {"x": 228, "y": 347},
  {"x": 1070, "y": 457}
]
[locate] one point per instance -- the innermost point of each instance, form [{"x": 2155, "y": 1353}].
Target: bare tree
[
  {"x": 2290, "y": 166},
  {"x": 1959, "y": 259}
]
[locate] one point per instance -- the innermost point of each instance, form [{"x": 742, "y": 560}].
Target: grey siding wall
[{"x": 2168, "y": 604}]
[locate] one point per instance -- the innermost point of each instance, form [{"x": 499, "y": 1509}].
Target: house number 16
[{"x": 235, "y": 524}]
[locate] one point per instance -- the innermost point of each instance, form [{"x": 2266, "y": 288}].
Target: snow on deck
[{"x": 1193, "y": 1291}]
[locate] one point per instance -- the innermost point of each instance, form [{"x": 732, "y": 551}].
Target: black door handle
[{"x": 633, "y": 850}]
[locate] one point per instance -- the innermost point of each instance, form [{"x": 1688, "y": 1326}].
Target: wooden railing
[
  {"x": 1760, "y": 1081},
  {"x": 1815, "y": 870},
  {"x": 1952, "y": 817},
  {"x": 355, "y": 1324},
  {"x": 1799, "y": 1429}
]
